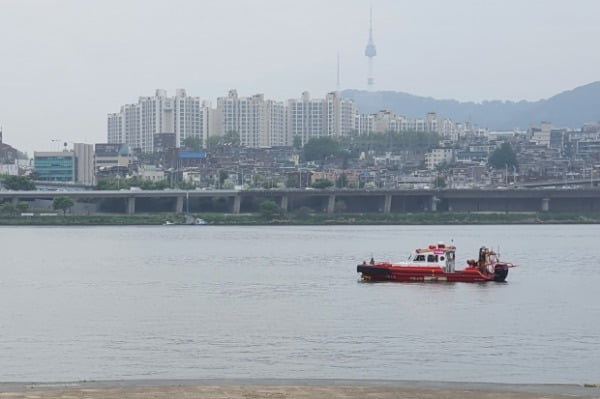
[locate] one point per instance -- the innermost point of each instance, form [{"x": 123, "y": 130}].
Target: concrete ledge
[{"x": 290, "y": 389}]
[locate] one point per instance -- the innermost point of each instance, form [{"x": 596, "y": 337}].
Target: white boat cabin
[{"x": 440, "y": 255}]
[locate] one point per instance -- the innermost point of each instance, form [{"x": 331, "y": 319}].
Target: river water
[{"x": 285, "y": 302}]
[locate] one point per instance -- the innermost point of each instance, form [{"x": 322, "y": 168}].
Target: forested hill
[{"x": 571, "y": 108}]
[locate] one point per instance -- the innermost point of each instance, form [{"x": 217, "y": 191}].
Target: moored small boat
[{"x": 436, "y": 263}]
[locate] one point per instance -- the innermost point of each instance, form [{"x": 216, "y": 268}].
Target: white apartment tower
[
  {"x": 114, "y": 128},
  {"x": 277, "y": 124},
  {"x": 260, "y": 123},
  {"x": 131, "y": 126},
  {"x": 245, "y": 116},
  {"x": 387, "y": 121},
  {"x": 340, "y": 115},
  {"x": 191, "y": 117},
  {"x": 330, "y": 117},
  {"x": 136, "y": 124},
  {"x": 305, "y": 118}
]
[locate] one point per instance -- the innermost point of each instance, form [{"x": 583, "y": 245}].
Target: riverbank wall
[{"x": 441, "y": 218}]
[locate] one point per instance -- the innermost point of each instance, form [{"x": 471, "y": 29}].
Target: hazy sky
[{"x": 65, "y": 64}]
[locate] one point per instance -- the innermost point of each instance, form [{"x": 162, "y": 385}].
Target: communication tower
[{"x": 370, "y": 51}]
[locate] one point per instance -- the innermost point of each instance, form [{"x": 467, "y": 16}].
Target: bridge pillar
[
  {"x": 331, "y": 204},
  {"x": 387, "y": 205},
  {"x": 179, "y": 205},
  {"x": 131, "y": 205},
  {"x": 15, "y": 200},
  {"x": 284, "y": 203},
  {"x": 545, "y": 204},
  {"x": 434, "y": 201},
  {"x": 237, "y": 204}
]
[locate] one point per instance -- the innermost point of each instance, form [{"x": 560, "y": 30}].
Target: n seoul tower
[{"x": 370, "y": 51}]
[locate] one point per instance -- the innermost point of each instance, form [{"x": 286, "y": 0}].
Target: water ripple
[{"x": 229, "y": 302}]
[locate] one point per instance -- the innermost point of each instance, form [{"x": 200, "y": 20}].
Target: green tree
[
  {"x": 322, "y": 183},
  {"x": 22, "y": 206},
  {"x": 406, "y": 142},
  {"x": 63, "y": 204},
  {"x": 292, "y": 181},
  {"x": 119, "y": 184},
  {"x": 231, "y": 138},
  {"x": 297, "y": 142},
  {"x": 108, "y": 184},
  {"x": 8, "y": 208},
  {"x": 318, "y": 149},
  {"x": 228, "y": 184},
  {"x": 503, "y": 157},
  {"x": 187, "y": 185},
  {"x": 17, "y": 183},
  {"x": 269, "y": 209},
  {"x": 213, "y": 141},
  {"x": 370, "y": 185},
  {"x": 193, "y": 143},
  {"x": 439, "y": 182},
  {"x": 303, "y": 212},
  {"x": 342, "y": 181},
  {"x": 223, "y": 175}
]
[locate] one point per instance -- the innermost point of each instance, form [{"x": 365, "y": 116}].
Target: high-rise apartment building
[
  {"x": 191, "y": 118},
  {"x": 339, "y": 115},
  {"x": 114, "y": 126},
  {"x": 277, "y": 125},
  {"x": 136, "y": 124},
  {"x": 246, "y": 116},
  {"x": 309, "y": 118},
  {"x": 387, "y": 121},
  {"x": 305, "y": 118},
  {"x": 259, "y": 123}
]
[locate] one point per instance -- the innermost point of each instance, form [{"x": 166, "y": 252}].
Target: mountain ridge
[{"x": 570, "y": 108}]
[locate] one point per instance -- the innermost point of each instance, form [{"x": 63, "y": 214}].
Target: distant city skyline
[{"x": 67, "y": 63}]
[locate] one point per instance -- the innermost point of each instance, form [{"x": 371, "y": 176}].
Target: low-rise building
[
  {"x": 151, "y": 173},
  {"x": 112, "y": 157},
  {"x": 8, "y": 155},
  {"x": 439, "y": 156},
  {"x": 84, "y": 156},
  {"x": 58, "y": 166}
]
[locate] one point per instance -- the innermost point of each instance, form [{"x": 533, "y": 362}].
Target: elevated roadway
[{"x": 385, "y": 201}]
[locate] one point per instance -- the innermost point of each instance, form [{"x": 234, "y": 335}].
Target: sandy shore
[{"x": 290, "y": 389}]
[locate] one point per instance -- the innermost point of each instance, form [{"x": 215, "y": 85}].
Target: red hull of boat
[{"x": 389, "y": 272}]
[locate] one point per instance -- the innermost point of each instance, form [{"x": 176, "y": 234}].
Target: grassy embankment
[{"x": 314, "y": 219}]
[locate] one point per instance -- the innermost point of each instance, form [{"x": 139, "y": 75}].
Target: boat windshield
[{"x": 429, "y": 258}]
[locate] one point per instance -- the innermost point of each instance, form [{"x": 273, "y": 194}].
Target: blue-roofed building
[
  {"x": 190, "y": 158},
  {"x": 192, "y": 155}
]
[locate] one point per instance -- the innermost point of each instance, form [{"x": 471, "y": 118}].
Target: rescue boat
[{"x": 436, "y": 263}]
